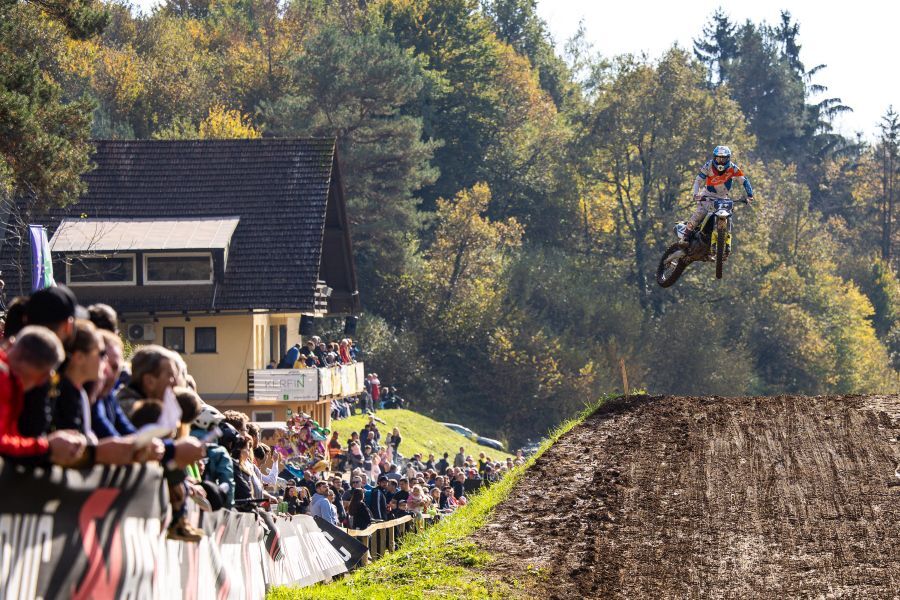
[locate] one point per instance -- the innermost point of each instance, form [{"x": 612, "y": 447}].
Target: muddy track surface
[{"x": 662, "y": 497}]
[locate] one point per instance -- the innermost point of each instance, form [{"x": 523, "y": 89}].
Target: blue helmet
[{"x": 721, "y": 158}]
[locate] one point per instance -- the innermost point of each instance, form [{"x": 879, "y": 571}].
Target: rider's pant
[{"x": 703, "y": 208}]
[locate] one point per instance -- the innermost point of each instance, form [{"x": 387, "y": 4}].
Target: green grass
[
  {"x": 419, "y": 433},
  {"x": 438, "y": 562}
]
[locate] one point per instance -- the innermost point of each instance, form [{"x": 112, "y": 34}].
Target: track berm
[{"x": 672, "y": 497}]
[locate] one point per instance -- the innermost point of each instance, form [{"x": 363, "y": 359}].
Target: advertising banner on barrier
[
  {"x": 326, "y": 387},
  {"x": 98, "y": 534},
  {"x": 350, "y": 549},
  {"x": 360, "y": 377},
  {"x": 337, "y": 387},
  {"x": 80, "y": 535}
]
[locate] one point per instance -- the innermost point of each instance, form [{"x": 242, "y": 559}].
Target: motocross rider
[{"x": 714, "y": 182}]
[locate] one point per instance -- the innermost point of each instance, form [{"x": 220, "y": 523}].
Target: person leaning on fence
[
  {"x": 107, "y": 417},
  {"x": 152, "y": 371},
  {"x": 335, "y": 485},
  {"x": 360, "y": 515},
  {"x": 321, "y": 507},
  {"x": 83, "y": 373},
  {"x": 243, "y": 488},
  {"x": 295, "y": 504},
  {"x": 28, "y": 364},
  {"x": 219, "y": 469},
  {"x": 56, "y": 309}
]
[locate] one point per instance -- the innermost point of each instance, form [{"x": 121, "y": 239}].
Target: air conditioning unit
[{"x": 141, "y": 332}]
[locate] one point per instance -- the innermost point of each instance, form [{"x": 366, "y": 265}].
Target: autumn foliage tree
[{"x": 508, "y": 201}]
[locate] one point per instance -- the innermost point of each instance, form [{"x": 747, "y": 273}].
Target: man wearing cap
[{"x": 55, "y": 308}]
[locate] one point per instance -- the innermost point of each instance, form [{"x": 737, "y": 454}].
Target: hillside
[
  {"x": 420, "y": 434},
  {"x": 666, "y": 497}
]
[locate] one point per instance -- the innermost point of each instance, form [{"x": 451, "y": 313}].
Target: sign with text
[{"x": 289, "y": 385}]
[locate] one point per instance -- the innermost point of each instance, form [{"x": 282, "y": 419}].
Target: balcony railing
[{"x": 305, "y": 385}]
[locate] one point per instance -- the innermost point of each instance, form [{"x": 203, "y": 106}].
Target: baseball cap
[{"x": 53, "y": 305}]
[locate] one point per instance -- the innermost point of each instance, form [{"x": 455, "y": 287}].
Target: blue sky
[{"x": 857, "y": 40}]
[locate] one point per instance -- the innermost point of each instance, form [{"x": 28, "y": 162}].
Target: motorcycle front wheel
[
  {"x": 670, "y": 266},
  {"x": 720, "y": 250}
]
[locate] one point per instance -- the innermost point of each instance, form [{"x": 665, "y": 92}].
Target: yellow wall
[
  {"x": 242, "y": 343},
  {"x": 225, "y": 371}
]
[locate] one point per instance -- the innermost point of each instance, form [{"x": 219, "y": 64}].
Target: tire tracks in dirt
[{"x": 668, "y": 497}]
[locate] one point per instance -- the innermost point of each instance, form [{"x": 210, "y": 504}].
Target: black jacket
[
  {"x": 243, "y": 488},
  {"x": 37, "y": 412},
  {"x": 362, "y": 518},
  {"x": 67, "y": 413},
  {"x": 378, "y": 504}
]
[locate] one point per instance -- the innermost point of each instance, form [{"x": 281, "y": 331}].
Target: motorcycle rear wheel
[{"x": 667, "y": 274}]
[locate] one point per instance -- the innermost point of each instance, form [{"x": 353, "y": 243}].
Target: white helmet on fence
[{"x": 209, "y": 416}]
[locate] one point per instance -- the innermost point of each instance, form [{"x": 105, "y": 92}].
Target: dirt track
[{"x": 665, "y": 497}]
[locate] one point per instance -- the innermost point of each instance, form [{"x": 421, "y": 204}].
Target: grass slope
[
  {"x": 419, "y": 433},
  {"x": 440, "y": 562}
]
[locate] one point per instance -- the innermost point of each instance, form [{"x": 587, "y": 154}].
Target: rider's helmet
[{"x": 721, "y": 158}]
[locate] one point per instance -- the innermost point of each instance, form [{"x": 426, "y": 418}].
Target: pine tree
[
  {"x": 717, "y": 47},
  {"x": 889, "y": 144},
  {"x": 44, "y": 145},
  {"x": 786, "y": 33},
  {"x": 355, "y": 87}
]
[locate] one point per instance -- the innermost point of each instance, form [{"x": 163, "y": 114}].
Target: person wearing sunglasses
[{"x": 84, "y": 370}]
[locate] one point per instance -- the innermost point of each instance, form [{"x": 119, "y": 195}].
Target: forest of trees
[{"x": 509, "y": 195}]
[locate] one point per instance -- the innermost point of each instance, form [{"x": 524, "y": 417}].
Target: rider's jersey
[{"x": 712, "y": 184}]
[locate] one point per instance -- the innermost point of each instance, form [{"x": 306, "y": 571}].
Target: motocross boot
[{"x": 686, "y": 238}]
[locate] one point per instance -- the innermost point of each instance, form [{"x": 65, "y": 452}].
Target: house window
[
  {"x": 101, "y": 270},
  {"x": 263, "y": 416},
  {"x": 173, "y": 338},
  {"x": 178, "y": 268},
  {"x": 205, "y": 339}
]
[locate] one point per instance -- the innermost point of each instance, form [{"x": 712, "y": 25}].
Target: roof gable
[{"x": 277, "y": 188}]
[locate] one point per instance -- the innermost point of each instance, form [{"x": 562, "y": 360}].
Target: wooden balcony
[{"x": 305, "y": 385}]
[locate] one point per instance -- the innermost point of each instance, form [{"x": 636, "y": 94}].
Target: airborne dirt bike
[{"x": 711, "y": 241}]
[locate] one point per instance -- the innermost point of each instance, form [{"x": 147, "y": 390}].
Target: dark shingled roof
[{"x": 278, "y": 187}]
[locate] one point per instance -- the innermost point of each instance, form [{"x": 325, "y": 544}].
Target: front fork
[{"x": 715, "y": 235}]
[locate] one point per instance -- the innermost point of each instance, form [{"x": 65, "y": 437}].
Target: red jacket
[{"x": 12, "y": 400}]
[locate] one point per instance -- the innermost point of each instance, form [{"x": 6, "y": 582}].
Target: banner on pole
[{"x": 41, "y": 259}]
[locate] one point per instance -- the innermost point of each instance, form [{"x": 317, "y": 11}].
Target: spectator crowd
[{"x": 68, "y": 398}]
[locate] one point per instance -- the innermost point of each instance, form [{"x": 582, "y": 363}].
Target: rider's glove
[
  {"x": 749, "y": 199},
  {"x": 698, "y": 198}
]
